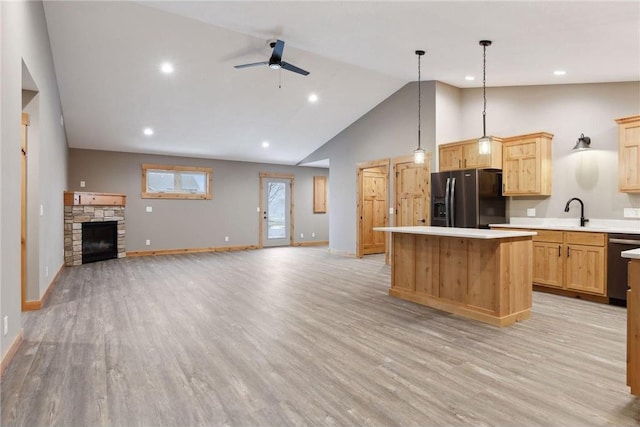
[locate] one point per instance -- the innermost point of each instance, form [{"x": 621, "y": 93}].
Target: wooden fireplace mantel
[{"x": 79, "y": 198}]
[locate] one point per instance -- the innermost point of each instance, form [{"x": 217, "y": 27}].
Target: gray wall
[
  {"x": 176, "y": 224},
  {"x": 24, "y": 38},
  {"x": 566, "y": 111},
  {"x": 388, "y": 130}
]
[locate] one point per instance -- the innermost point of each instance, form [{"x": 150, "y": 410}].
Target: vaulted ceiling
[{"x": 107, "y": 57}]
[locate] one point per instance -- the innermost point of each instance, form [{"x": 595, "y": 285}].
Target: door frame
[
  {"x": 23, "y": 212},
  {"x": 360, "y": 168},
  {"x": 264, "y": 176}
]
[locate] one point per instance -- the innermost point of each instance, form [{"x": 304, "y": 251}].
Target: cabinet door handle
[
  {"x": 459, "y": 163},
  {"x": 559, "y": 250},
  {"x": 568, "y": 251},
  {"x": 465, "y": 163}
]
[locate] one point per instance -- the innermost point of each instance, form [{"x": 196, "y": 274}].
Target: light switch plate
[
  {"x": 390, "y": 211},
  {"x": 531, "y": 212},
  {"x": 41, "y": 210},
  {"x": 82, "y": 184},
  {"x": 149, "y": 208}
]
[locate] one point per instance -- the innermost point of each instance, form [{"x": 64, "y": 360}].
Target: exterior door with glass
[{"x": 276, "y": 212}]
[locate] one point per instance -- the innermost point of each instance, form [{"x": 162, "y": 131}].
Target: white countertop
[
  {"x": 469, "y": 233},
  {"x": 564, "y": 224},
  {"x": 633, "y": 254}
]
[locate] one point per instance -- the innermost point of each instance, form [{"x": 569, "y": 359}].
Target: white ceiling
[{"x": 107, "y": 57}]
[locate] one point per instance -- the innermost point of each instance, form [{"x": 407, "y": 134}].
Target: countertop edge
[{"x": 469, "y": 233}]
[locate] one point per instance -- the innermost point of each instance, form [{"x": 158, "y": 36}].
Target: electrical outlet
[
  {"x": 149, "y": 209},
  {"x": 46, "y": 271},
  {"x": 632, "y": 212},
  {"x": 302, "y": 235},
  {"x": 82, "y": 184},
  {"x": 226, "y": 238},
  {"x": 313, "y": 234},
  {"x": 258, "y": 209},
  {"x": 148, "y": 242},
  {"x": 390, "y": 211},
  {"x": 5, "y": 325},
  {"x": 531, "y": 212}
]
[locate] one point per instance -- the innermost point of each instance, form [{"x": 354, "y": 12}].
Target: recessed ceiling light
[
  {"x": 166, "y": 67},
  {"x": 313, "y": 97},
  {"x": 148, "y": 131},
  {"x": 265, "y": 144},
  {"x": 559, "y": 72},
  {"x": 469, "y": 78}
]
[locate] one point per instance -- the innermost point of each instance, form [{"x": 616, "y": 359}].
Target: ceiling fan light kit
[{"x": 275, "y": 62}]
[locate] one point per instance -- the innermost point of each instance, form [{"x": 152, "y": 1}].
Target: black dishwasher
[{"x": 617, "y": 283}]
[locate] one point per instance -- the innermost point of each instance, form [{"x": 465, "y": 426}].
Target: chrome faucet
[{"x": 583, "y": 220}]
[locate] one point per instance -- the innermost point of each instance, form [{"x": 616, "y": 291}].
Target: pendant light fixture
[
  {"x": 484, "y": 143},
  {"x": 418, "y": 153}
]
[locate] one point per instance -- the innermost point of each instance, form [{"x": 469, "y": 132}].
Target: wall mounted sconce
[{"x": 583, "y": 143}]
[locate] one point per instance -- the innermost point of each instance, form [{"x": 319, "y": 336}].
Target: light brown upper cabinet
[
  {"x": 465, "y": 155},
  {"x": 629, "y": 154},
  {"x": 526, "y": 165},
  {"x": 319, "y": 194}
]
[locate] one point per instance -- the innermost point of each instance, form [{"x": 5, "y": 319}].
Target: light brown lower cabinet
[
  {"x": 633, "y": 328},
  {"x": 573, "y": 261}
]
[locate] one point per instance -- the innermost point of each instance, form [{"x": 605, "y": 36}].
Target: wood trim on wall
[
  {"x": 312, "y": 243},
  {"x": 38, "y": 304},
  {"x": 11, "y": 352},
  {"x": 191, "y": 250}
]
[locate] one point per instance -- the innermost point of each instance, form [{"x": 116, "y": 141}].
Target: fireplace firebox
[{"x": 99, "y": 241}]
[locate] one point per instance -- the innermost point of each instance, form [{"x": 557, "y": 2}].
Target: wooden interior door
[
  {"x": 412, "y": 192},
  {"x": 374, "y": 207},
  {"x": 23, "y": 211}
]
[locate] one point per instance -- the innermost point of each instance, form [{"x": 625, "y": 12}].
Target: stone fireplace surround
[{"x": 82, "y": 207}]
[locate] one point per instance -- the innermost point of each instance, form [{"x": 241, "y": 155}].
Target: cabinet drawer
[
  {"x": 548, "y": 236},
  {"x": 586, "y": 238}
]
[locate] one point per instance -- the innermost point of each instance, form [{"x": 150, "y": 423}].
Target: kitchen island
[{"x": 484, "y": 275}]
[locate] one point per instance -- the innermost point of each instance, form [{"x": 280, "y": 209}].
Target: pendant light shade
[
  {"x": 418, "y": 153},
  {"x": 583, "y": 143},
  {"x": 484, "y": 143}
]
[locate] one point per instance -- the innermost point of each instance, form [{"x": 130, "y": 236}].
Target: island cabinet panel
[
  {"x": 453, "y": 268},
  {"x": 427, "y": 277},
  {"x": 633, "y": 327},
  {"x": 483, "y": 279},
  {"x": 482, "y": 287},
  {"x": 404, "y": 262}
]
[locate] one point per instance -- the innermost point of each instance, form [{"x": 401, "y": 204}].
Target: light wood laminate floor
[{"x": 299, "y": 336}]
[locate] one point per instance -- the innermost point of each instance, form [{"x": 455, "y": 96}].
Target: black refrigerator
[{"x": 469, "y": 198}]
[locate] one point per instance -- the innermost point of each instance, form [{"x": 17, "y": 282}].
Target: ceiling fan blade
[
  {"x": 254, "y": 64},
  {"x": 293, "y": 68},
  {"x": 276, "y": 56}
]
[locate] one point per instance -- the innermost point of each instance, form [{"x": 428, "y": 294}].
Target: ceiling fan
[{"x": 276, "y": 61}]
